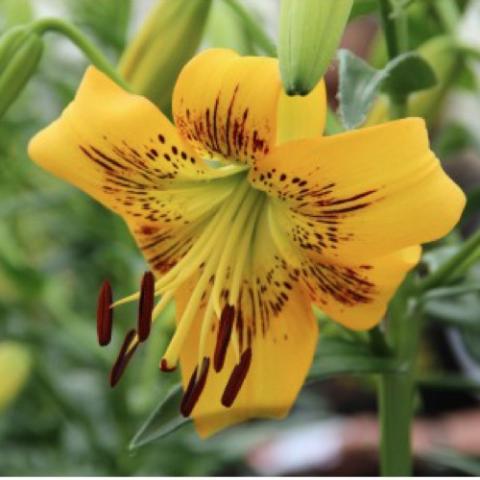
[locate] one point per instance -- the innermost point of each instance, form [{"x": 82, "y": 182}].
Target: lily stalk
[{"x": 310, "y": 32}]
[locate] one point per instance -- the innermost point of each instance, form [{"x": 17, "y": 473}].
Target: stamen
[
  {"x": 223, "y": 337},
  {"x": 126, "y": 352},
  {"x": 173, "y": 351},
  {"x": 104, "y": 314},
  {"x": 145, "y": 306},
  {"x": 195, "y": 388},
  {"x": 205, "y": 244},
  {"x": 165, "y": 368},
  {"x": 237, "y": 378}
]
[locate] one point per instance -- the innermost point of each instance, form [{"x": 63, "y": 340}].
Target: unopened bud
[
  {"x": 310, "y": 31},
  {"x": 20, "y": 51},
  {"x": 167, "y": 40}
]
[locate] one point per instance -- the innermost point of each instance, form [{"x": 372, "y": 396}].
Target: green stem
[
  {"x": 395, "y": 395},
  {"x": 395, "y": 27},
  {"x": 86, "y": 46},
  {"x": 255, "y": 30}
]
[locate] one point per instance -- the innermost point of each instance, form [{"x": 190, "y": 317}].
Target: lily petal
[
  {"x": 361, "y": 195},
  {"x": 120, "y": 149},
  {"x": 233, "y": 107},
  {"x": 280, "y": 360}
]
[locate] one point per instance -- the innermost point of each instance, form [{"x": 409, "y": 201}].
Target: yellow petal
[
  {"x": 361, "y": 195},
  {"x": 120, "y": 149},
  {"x": 357, "y": 296},
  {"x": 234, "y": 107},
  {"x": 280, "y": 361}
]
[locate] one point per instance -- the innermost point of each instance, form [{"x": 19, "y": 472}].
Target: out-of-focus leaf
[
  {"x": 164, "y": 419},
  {"x": 363, "y": 7},
  {"x": 336, "y": 356},
  {"x": 15, "y": 364},
  {"x": 445, "y": 381},
  {"x": 106, "y": 19},
  {"x": 453, "y": 139},
  {"x": 453, "y": 460},
  {"x": 15, "y": 12},
  {"x": 360, "y": 83},
  {"x": 225, "y": 30}
]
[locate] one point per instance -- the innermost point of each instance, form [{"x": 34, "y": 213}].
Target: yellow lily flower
[{"x": 247, "y": 216}]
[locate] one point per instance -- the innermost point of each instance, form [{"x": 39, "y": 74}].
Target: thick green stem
[
  {"x": 395, "y": 27},
  {"x": 449, "y": 14},
  {"x": 86, "y": 46},
  {"x": 395, "y": 395}
]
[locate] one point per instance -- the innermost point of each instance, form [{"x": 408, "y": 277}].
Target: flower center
[{"x": 218, "y": 261}]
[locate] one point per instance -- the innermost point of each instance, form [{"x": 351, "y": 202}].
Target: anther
[
  {"x": 237, "y": 378},
  {"x": 145, "y": 306},
  {"x": 165, "y": 368},
  {"x": 104, "y": 314},
  {"x": 123, "y": 358},
  {"x": 195, "y": 388},
  {"x": 223, "y": 337}
]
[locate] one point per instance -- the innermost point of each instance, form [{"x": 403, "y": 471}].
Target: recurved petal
[
  {"x": 273, "y": 366},
  {"x": 360, "y": 195},
  {"x": 120, "y": 149},
  {"x": 233, "y": 107},
  {"x": 357, "y": 296}
]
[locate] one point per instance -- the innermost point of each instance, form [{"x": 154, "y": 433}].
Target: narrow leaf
[{"x": 164, "y": 420}]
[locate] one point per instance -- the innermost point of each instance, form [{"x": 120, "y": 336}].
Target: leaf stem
[
  {"x": 454, "y": 264},
  {"x": 83, "y": 43}
]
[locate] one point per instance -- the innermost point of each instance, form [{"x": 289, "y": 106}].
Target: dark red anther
[
  {"x": 194, "y": 389},
  {"x": 145, "y": 306},
  {"x": 237, "y": 378},
  {"x": 123, "y": 358},
  {"x": 223, "y": 338},
  {"x": 104, "y": 314},
  {"x": 165, "y": 368}
]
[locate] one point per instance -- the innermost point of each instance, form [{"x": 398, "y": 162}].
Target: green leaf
[
  {"x": 164, "y": 420},
  {"x": 360, "y": 83},
  {"x": 335, "y": 356},
  {"x": 452, "y": 460}
]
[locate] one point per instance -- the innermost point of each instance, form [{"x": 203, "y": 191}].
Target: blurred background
[{"x": 58, "y": 415}]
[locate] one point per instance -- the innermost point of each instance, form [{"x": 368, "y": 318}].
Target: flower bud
[
  {"x": 167, "y": 40},
  {"x": 20, "y": 51},
  {"x": 15, "y": 366},
  {"x": 310, "y": 31}
]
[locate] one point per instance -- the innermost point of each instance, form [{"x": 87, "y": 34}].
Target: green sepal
[
  {"x": 164, "y": 419},
  {"x": 360, "y": 83}
]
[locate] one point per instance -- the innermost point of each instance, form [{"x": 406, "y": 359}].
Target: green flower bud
[
  {"x": 20, "y": 51},
  {"x": 310, "y": 31},
  {"x": 15, "y": 364},
  {"x": 167, "y": 40}
]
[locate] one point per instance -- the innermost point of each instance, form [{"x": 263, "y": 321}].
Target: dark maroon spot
[
  {"x": 194, "y": 389},
  {"x": 223, "y": 337},
  {"x": 104, "y": 314},
  {"x": 237, "y": 377},
  {"x": 161, "y": 138},
  {"x": 123, "y": 358},
  {"x": 145, "y": 306}
]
